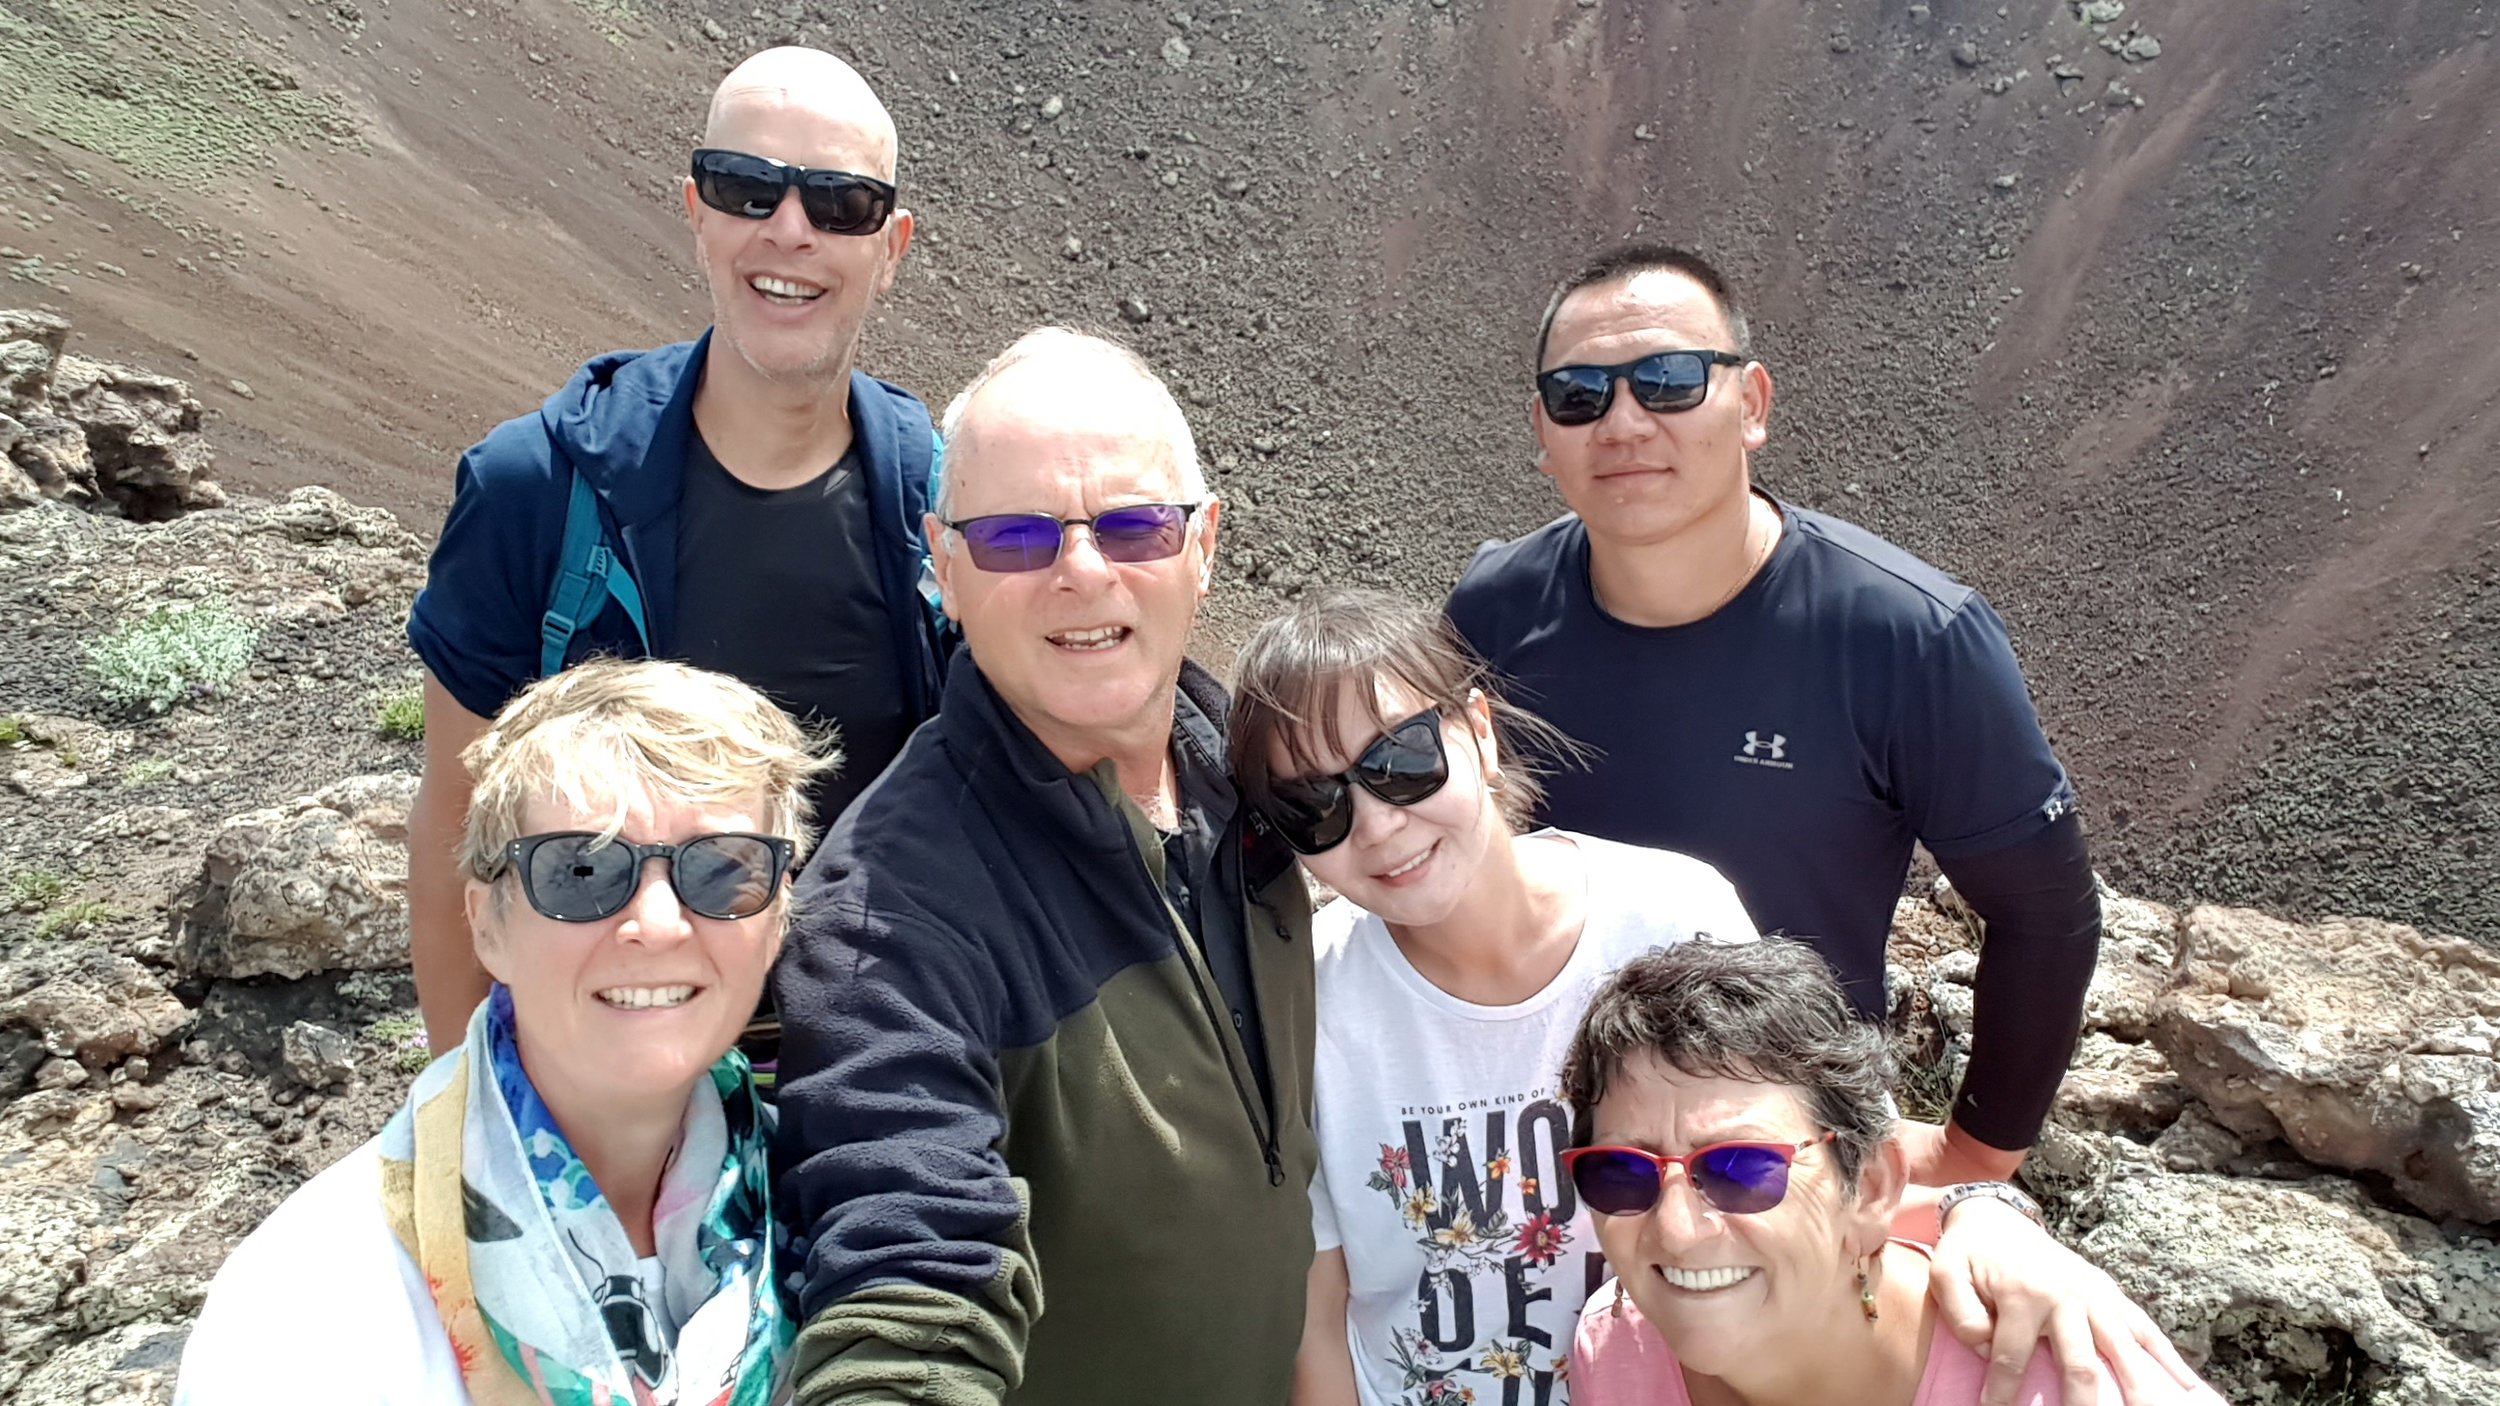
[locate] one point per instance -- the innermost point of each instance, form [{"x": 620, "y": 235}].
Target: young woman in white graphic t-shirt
[{"x": 1453, "y": 1253}]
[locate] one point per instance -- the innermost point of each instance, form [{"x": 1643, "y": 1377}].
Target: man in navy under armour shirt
[{"x": 1781, "y": 693}]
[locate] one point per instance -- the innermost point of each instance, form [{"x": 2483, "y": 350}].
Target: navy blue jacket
[
  {"x": 1005, "y": 1080},
  {"x": 624, "y": 422}
]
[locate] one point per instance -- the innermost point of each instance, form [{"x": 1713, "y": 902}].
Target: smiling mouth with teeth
[
  {"x": 1703, "y": 1281},
  {"x": 644, "y": 998},
  {"x": 783, "y": 291},
  {"x": 1411, "y": 865},
  {"x": 1090, "y": 641}
]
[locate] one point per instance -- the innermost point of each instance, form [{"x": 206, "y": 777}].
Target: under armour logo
[{"x": 1770, "y": 751}]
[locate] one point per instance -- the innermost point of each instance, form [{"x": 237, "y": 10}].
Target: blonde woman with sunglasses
[{"x": 573, "y": 1205}]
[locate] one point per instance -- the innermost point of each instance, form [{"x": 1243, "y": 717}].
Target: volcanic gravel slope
[{"x": 2188, "y": 358}]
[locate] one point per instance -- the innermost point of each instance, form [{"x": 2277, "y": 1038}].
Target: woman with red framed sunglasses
[
  {"x": 1758, "y": 1263},
  {"x": 1454, "y": 1248}
]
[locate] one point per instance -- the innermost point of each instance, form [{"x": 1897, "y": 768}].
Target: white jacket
[{"x": 321, "y": 1307}]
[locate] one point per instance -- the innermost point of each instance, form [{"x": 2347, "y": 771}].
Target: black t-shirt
[
  {"x": 780, "y": 589},
  {"x": 1850, "y": 700}
]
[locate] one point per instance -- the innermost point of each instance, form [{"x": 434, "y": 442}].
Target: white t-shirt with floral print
[{"x": 1439, "y": 1131}]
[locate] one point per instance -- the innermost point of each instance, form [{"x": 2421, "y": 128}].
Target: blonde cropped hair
[{"x": 602, "y": 732}]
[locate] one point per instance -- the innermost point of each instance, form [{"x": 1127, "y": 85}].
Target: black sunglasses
[
  {"x": 1031, "y": 541},
  {"x": 574, "y": 876},
  {"x": 1665, "y": 382},
  {"x": 751, "y": 188},
  {"x": 1314, "y": 814}
]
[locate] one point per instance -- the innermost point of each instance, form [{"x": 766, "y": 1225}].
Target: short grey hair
[
  {"x": 1065, "y": 345},
  {"x": 1766, "y": 1012}
]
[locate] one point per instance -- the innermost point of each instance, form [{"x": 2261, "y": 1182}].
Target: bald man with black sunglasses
[{"x": 747, "y": 502}]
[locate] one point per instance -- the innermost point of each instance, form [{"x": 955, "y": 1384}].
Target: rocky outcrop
[
  {"x": 2230, "y": 1066},
  {"x": 312, "y": 555},
  {"x": 100, "y": 1008},
  {"x": 2284, "y": 1287},
  {"x": 92, "y": 433},
  {"x": 2367, "y": 1046},
  {"x": 316, "y": 886}
]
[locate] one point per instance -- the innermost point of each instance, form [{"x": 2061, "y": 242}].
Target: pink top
[{"x": 1621, "y": 1362}]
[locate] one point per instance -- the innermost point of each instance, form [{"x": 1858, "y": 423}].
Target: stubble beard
[{"x": 831, "y": 363}]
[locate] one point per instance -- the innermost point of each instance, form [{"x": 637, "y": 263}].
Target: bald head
[
  {"x": 1076, "y": 384},
  {"x": 801, "y": 92}
]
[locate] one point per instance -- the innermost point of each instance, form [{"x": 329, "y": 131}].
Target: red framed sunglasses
[{"x": 1740, "y": 1178}]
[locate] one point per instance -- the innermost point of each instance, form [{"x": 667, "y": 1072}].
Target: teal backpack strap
[
  {"x": 587, "y": 575},
  {"x": 928, "y": 571}
]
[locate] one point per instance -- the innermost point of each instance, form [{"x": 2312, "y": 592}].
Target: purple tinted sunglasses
[
  {"x": 1031, "y": 541},
  {"x": 1740, "y": 1178}
]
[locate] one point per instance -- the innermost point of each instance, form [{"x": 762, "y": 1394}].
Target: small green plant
[
  {"x": 33, "y": 888},
  {"x": 403, "y": 1042},
  {"x": 171, "y": 655},
  {"x": 147, "y": 773},
  {"x": 69, "y": 757},
  {"x": 87, "y": 913},
  {"x": 400, "y": 716},
  {"x": 12, "y": 730}
]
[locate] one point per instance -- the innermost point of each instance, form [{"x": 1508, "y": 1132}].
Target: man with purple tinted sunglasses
[{"x": 1049, "y": 1011}]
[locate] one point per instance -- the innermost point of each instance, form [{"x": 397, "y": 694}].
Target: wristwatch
[{"x": 2006, "y": 1192}]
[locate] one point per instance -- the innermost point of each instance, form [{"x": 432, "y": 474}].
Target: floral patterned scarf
[{"x": 538, "y": 1287}]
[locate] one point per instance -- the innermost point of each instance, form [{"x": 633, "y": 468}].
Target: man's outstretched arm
[{"x": 917, "y": 1277}]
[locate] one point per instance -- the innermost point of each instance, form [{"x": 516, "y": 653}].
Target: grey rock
[
  {"x": 316, "y": 886},
  {"x": 317, "y": 1055},
  {"x": 44, "y": 1254},
  {"x": 1966, "y": 54},
  {"x": 712, "y": 30},
  {"x": 1176, "y": 52},
  {"x": 132, "y": 1365},
  {"x": 30, "y": 343},
  {"x": 54, "y": 1075},
  {"x": 1133, "y": 310},
  {"x": 2255, "y": 1276},
  {"x": 2357, "y": 1042},
  {"x": 2140, "y": 48},
  {"x": 2196, "y": 1143},
  {"x": 80, "y": 430},
  {"x": 99, "y": 1008},
  {"x": 2114, "y": 1086}
]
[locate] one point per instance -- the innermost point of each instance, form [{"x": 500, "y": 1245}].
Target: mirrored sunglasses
[
  {"x": 1666, "y": 382},
  {"x": 752, "y": 187},
  {"x": 575, "y": 876}
]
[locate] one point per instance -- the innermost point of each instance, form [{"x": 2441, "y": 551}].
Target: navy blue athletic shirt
[{"x": 1850, "y": 700}]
